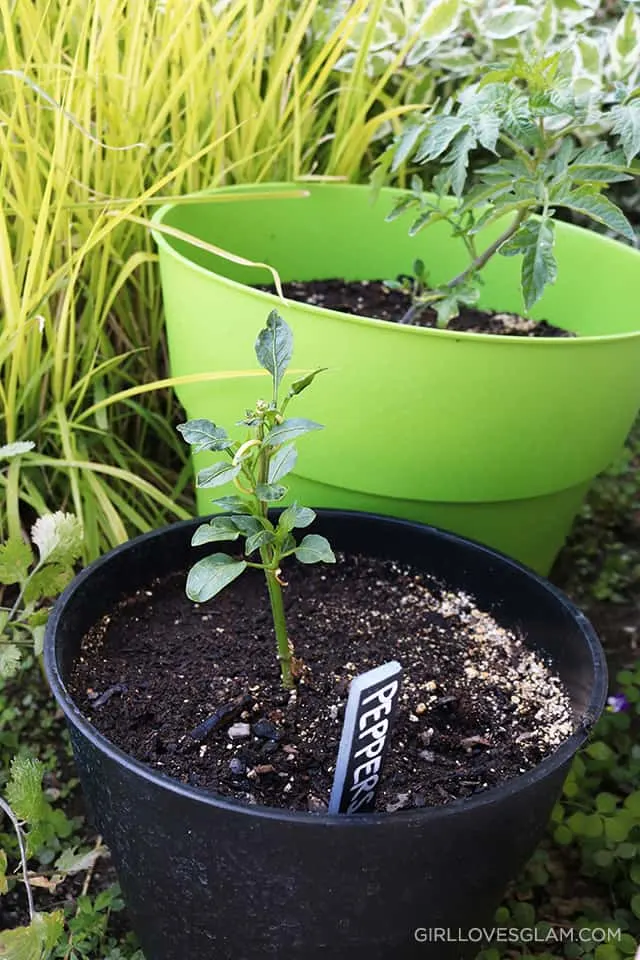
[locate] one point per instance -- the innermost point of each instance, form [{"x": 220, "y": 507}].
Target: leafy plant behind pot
[
  {"x": 528, "y": 115},
  {"x": 32, "y": 582},
  {"x": 256, "y": 467}
]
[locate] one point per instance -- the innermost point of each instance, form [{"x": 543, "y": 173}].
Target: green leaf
[
  {"x": 509, "y": 21},
  {"x": 404, "y": 147},
  {"x": 441, "y": 183},
  {"x": 539, "y": 266},
  {"x": 591, "y": 56},
  {"x": 274, "y": 347},
  {"x": 295, "y": 516},
  {"x": 441, "y": 20},
  {"x": 24, "y": 790},
  {"x": 282, "y": 462},
  {"x": 289, "y": 430},
  {"x": 250, "y": 525},
  {"x": 458, "y": 158},
  {"x": 635, "y": 904},
  {"x": 211, "y": 575},
  {"x": 534, "y": 239},
  {"x": 301, "y": 383},
  {"x": 58, "y": 537},
  {"x": 618, "y": 827},
  {"x": 16, "y": 449},
  {"x": 599, "y": 163},
  {"x": 446, "y": 309},
  {"x": 441, "y": 132},
  {"x": 487, "y": 129},
  {"x": 378, "y": 178},
  {"x": 314, "y": 549},
  {"x": 626, "y": 36},
  {"x": 48, "y": 582},
  {"x": 270, "y": 492},
  {"x": 603, "y": 858},
  {"x": 218, "y": 474},
  {"x": 259, "y": 539},
  {"x": 70, "y": 862},
  {"x": 604, "y": 951},
  {"x": 401, "y": 208},
  {"x": 34, "y": 942},
  {"x": 626, "y": 125},
  {"x": 4, "y": 886},
  {"x": 593, "y": 204},
  {"x": 15, "y": 560},
  {"x": 626, "y": 851},
  {"x": 204, "y": 435},
  {"x": 632, "y": 803},
  {"x": 231, "y": 504},
  {"x": 562, "y": 835},
  {"x": 600, "y": 751},
  {"x": 428, "y": 217},
  {"x": 10, "y": 657},
  {"x": 606, "y": 802},
  {"x": 38, "y": 640},
  {"x": 220, "y": 528}
]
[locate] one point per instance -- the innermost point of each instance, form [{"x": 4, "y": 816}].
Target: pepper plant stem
[
  {"x": 273, "y": 585},
  {"x": 280, "y": 626}
]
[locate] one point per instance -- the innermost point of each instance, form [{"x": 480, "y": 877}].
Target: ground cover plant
[{"x": 452, "y": 41}]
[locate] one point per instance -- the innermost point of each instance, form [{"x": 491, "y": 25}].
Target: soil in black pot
[
  {"x": 477, "y": 707},
  {"x": 372, "y": 298}
]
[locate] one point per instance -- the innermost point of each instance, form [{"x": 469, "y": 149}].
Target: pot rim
[
  {"x": 523, "y": 781},
  {"x": 271, "y": 300}
]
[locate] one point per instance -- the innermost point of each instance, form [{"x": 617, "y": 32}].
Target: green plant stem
[
  {"x": 492, "y": 249},
  {"x": 476, "y": 265},
  {"x": 271, "y": 571},
  {"x": 280, "y": 626},
  {"x": 18, "y": 600}
]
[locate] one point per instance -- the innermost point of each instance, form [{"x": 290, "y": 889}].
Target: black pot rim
[{"x": 514, "y": 785}]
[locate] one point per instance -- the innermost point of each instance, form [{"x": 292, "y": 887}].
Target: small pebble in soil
[
  {"x": 265, "y": 730},
  {"x": 239, "y": 731}
]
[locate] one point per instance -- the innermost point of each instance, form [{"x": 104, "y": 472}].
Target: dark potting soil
[
  {"x": 476, "y": 706},
  {"x": 371, "y": 298}
]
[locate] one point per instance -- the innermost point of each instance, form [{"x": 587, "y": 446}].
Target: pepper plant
[
  {"x": 531, "y": 118},
  {"x": 256, "y": 466}
]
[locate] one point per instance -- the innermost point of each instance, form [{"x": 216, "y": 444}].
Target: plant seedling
[
  {"x": 532, "y": 120},
  {"x": 256, "y": 467}
]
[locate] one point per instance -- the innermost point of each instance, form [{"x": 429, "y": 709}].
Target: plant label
[{"x": 373, "y": 698}]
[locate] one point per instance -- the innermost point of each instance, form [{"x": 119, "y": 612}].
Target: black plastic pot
[{"x": 209, "y": 879}]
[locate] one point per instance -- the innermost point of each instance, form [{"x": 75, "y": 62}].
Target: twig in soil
[
  {"x": 106, "y": 696},
  {"x": 223, "y": 715},
  {"x": 89, "y": 875}
]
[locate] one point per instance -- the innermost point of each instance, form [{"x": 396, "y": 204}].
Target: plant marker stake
[{"x": 371, "y": 707}]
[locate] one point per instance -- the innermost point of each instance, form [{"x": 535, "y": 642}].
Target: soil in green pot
[
  {"x": 372, "y": 298},
  {"x": 194, "y": 690}
]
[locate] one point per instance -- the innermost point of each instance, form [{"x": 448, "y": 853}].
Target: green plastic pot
[{"x": 495, "y": 438}]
